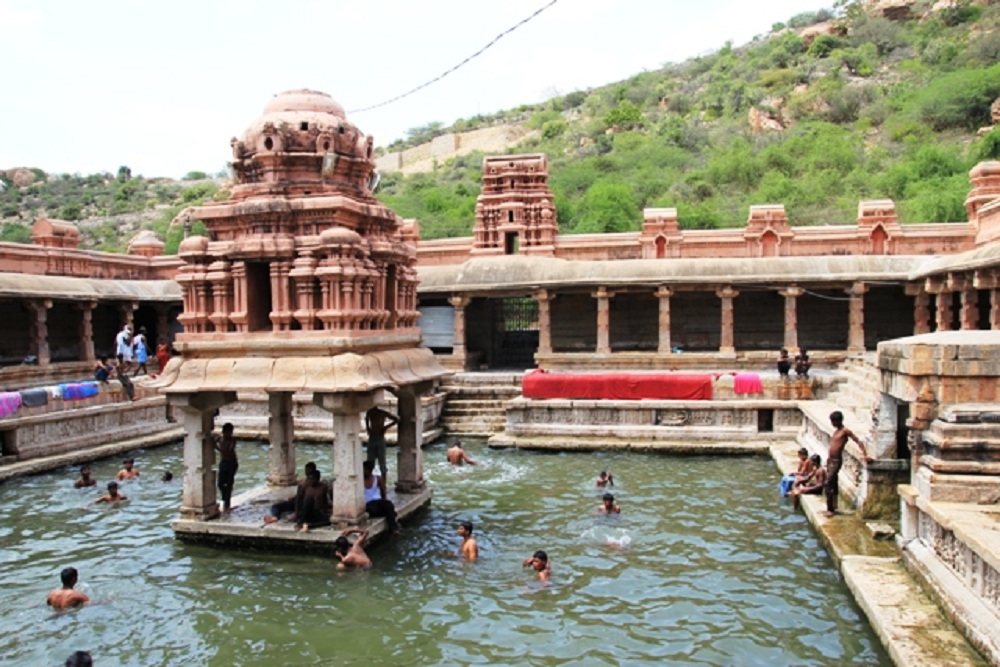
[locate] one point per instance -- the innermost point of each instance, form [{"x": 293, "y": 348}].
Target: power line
[{"x": 449, "y": 71}]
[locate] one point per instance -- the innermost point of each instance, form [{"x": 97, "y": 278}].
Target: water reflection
[{"x": 704, "y": 567}]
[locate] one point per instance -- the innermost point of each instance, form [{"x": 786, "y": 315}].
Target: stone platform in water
[{"x": 244, "y": 526}]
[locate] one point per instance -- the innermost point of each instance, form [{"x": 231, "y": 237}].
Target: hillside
[
  {"x": 826, "y": 110},
  {"x": 819, "y": 114}
]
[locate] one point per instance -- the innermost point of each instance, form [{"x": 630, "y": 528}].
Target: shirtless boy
[
  {"x": 837, "y": 443},
  {"x": 128, "y": 470},
  {"x": 352, "y": 555},
  {"x": 377, "y": 422},
  {"x": 65, "y": 597},
  {"x": 469, "y": 550},
  {"x": 112, "y": 496},
  {"x": 608, "y": 506},
  {"x": 605, "y": 479},
  {"x": 539, "y": 561},
  {"x": 813, "y": 484},
  {"x": 85, "y": 479},
  {"x": 457, "y": 456}
]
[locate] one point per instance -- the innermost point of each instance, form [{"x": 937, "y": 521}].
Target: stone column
[
  {"x": 127, "y": 311},
  {"x": 544, "y": 299},
  {"x": 664, "y": 294},
  {"x": 856, "y": 318},
  {"x": 944, "y": 313},
  {"x": 239, "y": 315},
  {"x": 281, "y": 312},
  {"x": 39, "y": 330},
  {"x": 87, "y": 330},
  {"x": 791, "y": 294},
  {"x": 459, "y": 303},
  {"x": 727, "y": 337},
  {"x": 409, "y": 458},
  {"x": 603, "y": 320},
  {"x": 198, "y": 501},
  {"x": 281, "y": 439},
  {"x": 995, "y": 309},
  {"x": 921, "y": 308},
  {"x": 969, "y": 314},
  {"x": 348, "y": 477},
  {"x": 162, "y": 326}
]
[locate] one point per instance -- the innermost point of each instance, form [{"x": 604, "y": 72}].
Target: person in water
[
  {"x": 79, "y": 659},
  {"x": 85, "y": 479},
  {"x": 539, "y": 561},
  {"x": 228, "y": 464},
  {"x": 351, "y": 555},
  {"x": 112, "y": 496},
  {"x": 834, "y": 461},
  {"x": 469, "y": 549},
  {"x": 605, "y": 479},
  {"x": 67, "y": 596},
  {"x": 128, "y": 470},
  {"x": 811, "y": 485},
  {"x": 167, "y": 476},
  {"x": 608, "y": 505},
  {"x": 377, "y": 422},
  {"x": 457, "y": 455}
]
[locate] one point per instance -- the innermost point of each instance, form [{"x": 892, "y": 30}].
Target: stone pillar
[
  {"x": 281, "y": 311},
  {"x": 995, "y": 309},
  {"x": 791, "y": 295},
  {"x": 727, "y": 337},
  {"x": 127, "y": 311},
  {"x": 198, "y": 501},
  {"x": 921, "y": 312},
  {"x": 459, "y": 303},
  {"x": 239, "y": 315},
  {"x": 409, "y": 458},
  {"x": 162, "y": 326},
  {"x": 969, "y": 314},
  {"x": 856, "y": 318},
  {"x": 544, "y": 299},
  {"x": 944, "y": 313},
  {"x": 281, "y": 438},
  {"x": 664, "y": 294},
  {"x": 87, "y": 330},
  {"x": 603, "y": 320},
  {"x": 348, "y": 477},
  {"x": 39, "y": 330}
]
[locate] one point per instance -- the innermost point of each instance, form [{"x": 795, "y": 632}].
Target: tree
[
  {"x": 124, "y": 173},
  {"x": 608, "y": 207}
]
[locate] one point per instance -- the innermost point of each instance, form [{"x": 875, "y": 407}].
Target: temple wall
[
  {"x": 68, "y": 429},
  {"x": 39, "y": 260},
  {"x": 694, "y": 321},
  {"x": 758, "y": 320},
  {"x": 574, "y": 323},
  {"x": 634, "y": 322},
  {"x": 15, "y": 341}
]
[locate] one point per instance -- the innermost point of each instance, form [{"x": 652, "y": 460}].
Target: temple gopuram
[{"x": 305, "y": 284}]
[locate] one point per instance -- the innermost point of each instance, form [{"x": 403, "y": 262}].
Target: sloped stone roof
[{"x": 24, "y": 285}]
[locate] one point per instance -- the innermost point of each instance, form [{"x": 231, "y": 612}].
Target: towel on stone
[
  {"x": 10, "y": 402},
  {"x": 747, "y": 383},
  {"x": 34, "y": 398},
  {"x": 76, "y": 390}
]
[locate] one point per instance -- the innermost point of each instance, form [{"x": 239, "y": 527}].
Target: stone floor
[
  {"x": 913, "y": 629},
  {"x": 245, "y": 526}
]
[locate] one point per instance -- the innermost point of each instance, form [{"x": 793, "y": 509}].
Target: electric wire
[{"x": 449, "y": 71}]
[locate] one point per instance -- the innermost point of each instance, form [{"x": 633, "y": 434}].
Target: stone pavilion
[{"x": 304, "y": 284}]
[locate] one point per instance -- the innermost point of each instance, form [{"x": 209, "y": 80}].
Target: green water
[{"x": 705, "y": 566}]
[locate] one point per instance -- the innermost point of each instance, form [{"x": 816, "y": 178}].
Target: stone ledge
[{"x": 911, "y": 627}]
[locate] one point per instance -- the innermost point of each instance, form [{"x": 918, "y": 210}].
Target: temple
[
  {"x": 307, "y": 302},
  {"x": 305, "y": 284}
]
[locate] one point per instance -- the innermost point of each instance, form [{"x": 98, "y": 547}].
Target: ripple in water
[{"x": 706, "y": 566}]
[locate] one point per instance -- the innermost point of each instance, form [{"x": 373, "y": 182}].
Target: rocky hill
[{"x": 878, "y": 99}]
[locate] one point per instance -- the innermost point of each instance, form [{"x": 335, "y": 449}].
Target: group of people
[
  {"x": 801, "y": 363},
  {"x": 812, "y": 478}
]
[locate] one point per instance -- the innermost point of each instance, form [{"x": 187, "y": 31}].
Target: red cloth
[
  {"x": 626, "y": 386},
  {"x": 747, "y": 383}
]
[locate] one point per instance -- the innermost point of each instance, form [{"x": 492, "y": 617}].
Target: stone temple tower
[
  {"x": 514, "y": 212},
  {"x": 304, "y": 283}
]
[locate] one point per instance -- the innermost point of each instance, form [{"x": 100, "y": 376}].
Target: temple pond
[{"x": 706, "y": 566}]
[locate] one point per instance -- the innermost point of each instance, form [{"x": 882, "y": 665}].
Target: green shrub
[
  {"x": 822, "y": 45},
  {"x": 988, "y": 147},
  {"x": 959, "y": 99},
  {"x": 554, "y": 128},
  {"x": 608, "y": 206},
  {"x": 11, "y": 232},
  {"x": 626, "y": 115}
]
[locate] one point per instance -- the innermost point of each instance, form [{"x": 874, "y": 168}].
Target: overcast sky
[{"x": 162, "y": 86}]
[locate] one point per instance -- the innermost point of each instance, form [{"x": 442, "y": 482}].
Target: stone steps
[{"x": 475, "y": 405}]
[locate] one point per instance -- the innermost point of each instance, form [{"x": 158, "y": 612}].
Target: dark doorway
[
  {"x": 511, "y": 243},
  {"x": 765, "y": 421},
  {"x": 258, "y": 296},
  {"x": 515, "y": 332},
  {"x": 902, "y": 432}
]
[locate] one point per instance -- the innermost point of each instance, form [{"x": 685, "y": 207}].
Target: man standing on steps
[
  {"x": 837, "y": 442},
  {"x": 377, "y": 422}
]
